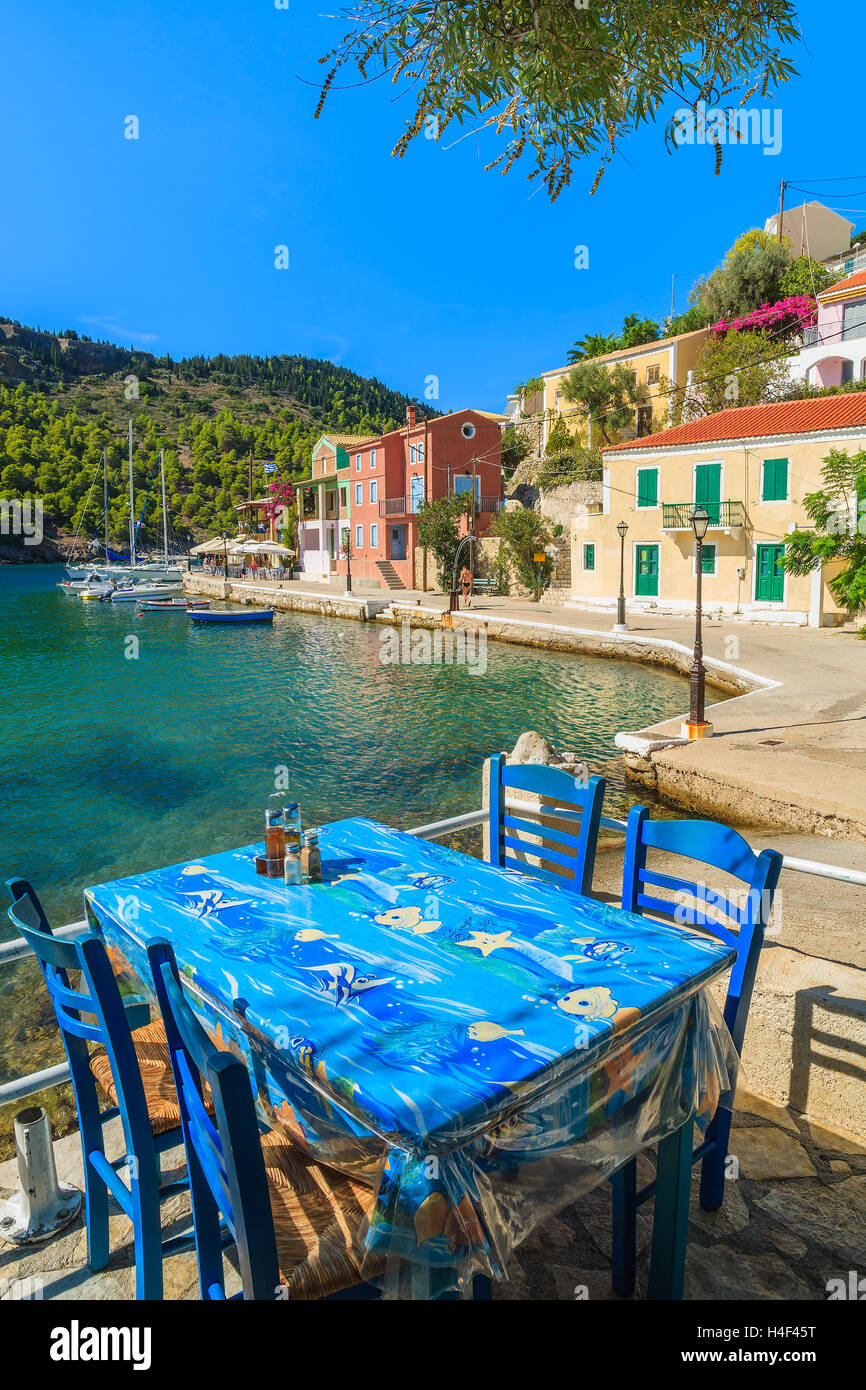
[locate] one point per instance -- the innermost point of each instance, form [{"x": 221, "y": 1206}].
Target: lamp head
[
  {"x": 700, "y": 520},
  {"x": 622, "y": 529}
]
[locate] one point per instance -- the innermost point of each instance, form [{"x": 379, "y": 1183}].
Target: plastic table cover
[{"x": 481, "y": 1047}]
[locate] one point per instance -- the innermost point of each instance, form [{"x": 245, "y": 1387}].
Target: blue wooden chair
[
  {"x": 578, "y": 806},
  {"x": 717, "y": 845},
  {"x": 292, "y": 1220},
  {"x": 132, "y": 1068}
]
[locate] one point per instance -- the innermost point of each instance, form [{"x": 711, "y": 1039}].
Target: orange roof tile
[
  {"x": 852, "y": 282},
  {"x": 846, "y": 411}
]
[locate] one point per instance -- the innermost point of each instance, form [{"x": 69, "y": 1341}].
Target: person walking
[{"x": 466, "y": 586}]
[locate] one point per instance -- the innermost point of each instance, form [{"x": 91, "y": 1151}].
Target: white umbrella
[
  {"x": 260, "y": 548},
  {"x": 212, "y": 547}
]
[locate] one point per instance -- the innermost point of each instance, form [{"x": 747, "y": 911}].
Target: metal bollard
[{"x": 42, "y": 1206}]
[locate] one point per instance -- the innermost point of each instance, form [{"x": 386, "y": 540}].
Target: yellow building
[
  {"x": 661, "y": 367},
  {"x": 750, "y": 468}
]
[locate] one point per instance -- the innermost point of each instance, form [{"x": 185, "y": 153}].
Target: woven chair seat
[
  {"x": 318, "y": 1214},
  {"x": 151, "y": 1051}
]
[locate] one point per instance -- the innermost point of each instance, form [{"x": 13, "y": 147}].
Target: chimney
[{"x": 410, "y": 416}]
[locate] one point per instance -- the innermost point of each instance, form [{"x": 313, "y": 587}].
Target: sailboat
[{"x": 127, "y": 567}]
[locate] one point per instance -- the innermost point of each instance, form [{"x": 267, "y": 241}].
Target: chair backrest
[
  {"x": 568, "y": 830},
  {"x": 717, "y": 845},
  {"x": 93, "y": 1013},
  {"x": 224, "y": 1158}
]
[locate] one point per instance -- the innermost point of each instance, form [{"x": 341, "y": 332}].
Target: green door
[
  {"x": 708, "y": 489},
  {"x": 647, "y": 570},
  {"x": 769, "y": 575}
]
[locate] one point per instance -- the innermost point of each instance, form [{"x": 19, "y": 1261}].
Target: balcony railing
[
  {"x": 676, "y": 516},
  {"x": 395, "y": 506},
  {"x": 832, "y": 337}
]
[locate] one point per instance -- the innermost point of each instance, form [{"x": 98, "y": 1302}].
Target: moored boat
[
  {"x": 225, "y": 615},
  {"x": 140, "y": 590},
  {"x": 171, "y": 605}
]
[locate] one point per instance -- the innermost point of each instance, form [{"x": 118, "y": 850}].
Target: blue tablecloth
[{"x": 439, "y": 1026}]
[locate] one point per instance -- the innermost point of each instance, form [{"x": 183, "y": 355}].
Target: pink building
[
  {"x": 834, "y": 351},
  {"x": 371, "y": 488}
]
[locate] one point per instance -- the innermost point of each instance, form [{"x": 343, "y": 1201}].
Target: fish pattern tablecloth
[{"x": 477, "y": 1044}]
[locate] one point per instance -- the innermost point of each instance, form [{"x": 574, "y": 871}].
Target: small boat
[
  {"x": 140, "y": 590},
  {"x": 71, "y": 587},
  {"x": 171, "y": 605},
  {"x": 241, "y": 615}
]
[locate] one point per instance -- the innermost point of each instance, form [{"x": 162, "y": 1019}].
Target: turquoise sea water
[{"x": 111, "y": 763}]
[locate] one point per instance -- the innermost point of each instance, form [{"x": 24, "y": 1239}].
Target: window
[
  {"x": 359, "y": 537},
  {"x": 647, "y": 487},
  {"x": 420, "y": 450},
  {"x": 652, "y": 376},
  {"x": 847, "y": 371},
  {"x": 589, "y": 557},
  {"x": 342, "y": 497},
  {"x": 359, "y": 494},
  {"x": 374, "y": 487},
  {"x": 374, "y": 537},
  {"x": 775, "y": 483},
  {"x": 708, "y": 559},
  {"x": 644, "y": 420},
  {"x": 372, "y": 458},
  {"x": 357, "y": 463},
  {"x": 854, "y": 320},
  {"x": 463, "y": 483},
  {"x": 413, "y": 457}
]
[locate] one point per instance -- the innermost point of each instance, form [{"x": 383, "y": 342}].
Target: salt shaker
[{"x": 292, "y": 870}]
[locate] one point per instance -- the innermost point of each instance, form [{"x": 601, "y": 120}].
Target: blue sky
[{"x": 398, "y": 269}]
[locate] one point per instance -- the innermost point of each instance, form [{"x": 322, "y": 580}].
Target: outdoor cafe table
[{"x": 479, "y": 1045}]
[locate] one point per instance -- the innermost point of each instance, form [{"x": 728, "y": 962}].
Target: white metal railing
[{"x": 18, "y": 949}]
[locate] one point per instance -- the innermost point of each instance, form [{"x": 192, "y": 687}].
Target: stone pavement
[{"x": 793, "y": 1219}]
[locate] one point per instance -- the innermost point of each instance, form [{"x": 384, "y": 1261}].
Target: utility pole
[
  {"x": 474, "y": 462},
  {"x": 251, "y": 476},
  {"x": 673, "y": 283},
  {"x": 782, "y": 186}
]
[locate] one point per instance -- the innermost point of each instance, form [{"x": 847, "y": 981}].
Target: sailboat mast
[
  {"x": 164, "y": 512},
  {"x": 131, "y": 505},
  {"x": 105, "y": 497}
]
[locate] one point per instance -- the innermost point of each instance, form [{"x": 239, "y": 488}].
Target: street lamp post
[
  {"x": 621, "y": 625},
  {"x": 697, "y": 726}
]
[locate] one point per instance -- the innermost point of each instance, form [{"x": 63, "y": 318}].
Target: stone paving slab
[{"x": 773, "y": 1238}]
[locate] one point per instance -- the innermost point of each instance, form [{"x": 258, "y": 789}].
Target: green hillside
[{"x": 64, "y": 399}]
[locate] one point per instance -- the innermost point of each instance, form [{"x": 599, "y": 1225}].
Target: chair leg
[
  {"x": 624, "y": 1184},
  {"x": 96, "y": 1218},
  {"x": 713, "y": 1166},
  {"x": 147, "y": 1233},
  {"x": 671, "y": 1215}
]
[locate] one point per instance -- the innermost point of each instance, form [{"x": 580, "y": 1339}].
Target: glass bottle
[
  {"x": 311, "y": 858},
  {"x": 275, "y": 835},
  {"x": 292, "y": 869},
  {"x": 292, "y": 824}
]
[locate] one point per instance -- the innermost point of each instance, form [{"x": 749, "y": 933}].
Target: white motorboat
[
  {"x": 71, "y": 587},
  {"x": 139, "y": 591}
]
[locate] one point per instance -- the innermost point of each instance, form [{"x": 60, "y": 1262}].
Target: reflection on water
[{"x": 113, "y": 763}]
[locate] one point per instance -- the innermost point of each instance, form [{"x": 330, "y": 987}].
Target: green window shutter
[
  {"x": 589, "y": 557},
  {"x": 708, "y": 559},
  {"x": 775, "y": 487},
  {"x": 647, "y": 487}
]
